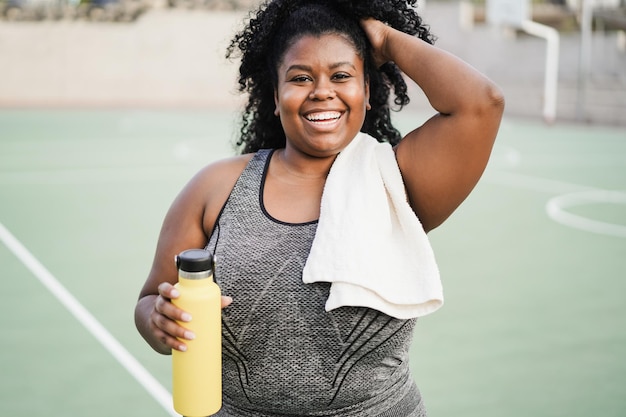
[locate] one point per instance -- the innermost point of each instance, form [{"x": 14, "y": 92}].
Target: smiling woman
[
  {"x": 319, "y": 76},
  {"x": 321, "y": 95},
  {"x": 271, "y": 33}
]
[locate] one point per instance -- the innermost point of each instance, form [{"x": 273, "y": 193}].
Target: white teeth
[{"x": 328, "y": 115}]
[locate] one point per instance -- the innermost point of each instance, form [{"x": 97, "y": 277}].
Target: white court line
[
  {"x": 568, "y": 195},
  {"x": 128, "y": 361},
  {"x": 533, "y": 183},
  {"x": 557, "y": 205},
  {"x": 103, "y": 175}
]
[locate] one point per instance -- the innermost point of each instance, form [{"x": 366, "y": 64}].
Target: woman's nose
[{"x": 322, "y": 90}]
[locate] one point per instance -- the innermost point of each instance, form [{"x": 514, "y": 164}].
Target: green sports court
[{"x": 533, "y": 265}]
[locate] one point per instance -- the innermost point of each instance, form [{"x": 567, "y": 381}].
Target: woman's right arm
[{"x": 187, "y": 225}]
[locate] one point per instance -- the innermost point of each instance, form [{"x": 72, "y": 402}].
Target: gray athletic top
[{"x": 283, "y": 354}]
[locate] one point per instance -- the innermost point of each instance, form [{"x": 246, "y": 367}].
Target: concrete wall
[
  {"x": 175, "y": 58},
  {"x": 169, "y": 57}
]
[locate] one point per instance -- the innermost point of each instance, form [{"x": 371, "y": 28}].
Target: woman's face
[{"x": 322, "y": 95}]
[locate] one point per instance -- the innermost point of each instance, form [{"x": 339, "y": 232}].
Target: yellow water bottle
[{"x": 197, "y": 373}]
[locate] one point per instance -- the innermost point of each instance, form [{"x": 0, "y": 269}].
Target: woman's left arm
[{"x": 442, "y": 160}]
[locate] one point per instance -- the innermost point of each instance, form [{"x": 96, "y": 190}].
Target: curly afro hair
[{"x": 277, "y": 24}]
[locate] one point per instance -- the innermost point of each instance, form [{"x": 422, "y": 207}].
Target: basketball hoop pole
[
  {"x": 551, "y": 36},
  {"x": 517, "y": 14},
  {"x": 586, "y": 17}
]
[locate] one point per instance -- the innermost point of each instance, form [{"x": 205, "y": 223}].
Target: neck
[{"x": 302, "y": 166}]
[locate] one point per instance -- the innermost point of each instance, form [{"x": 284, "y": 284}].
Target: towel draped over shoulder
[{"x": 369, "y": 243}]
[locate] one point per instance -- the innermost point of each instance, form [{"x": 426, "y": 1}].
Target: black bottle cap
[{"x": 195, "y": 260}]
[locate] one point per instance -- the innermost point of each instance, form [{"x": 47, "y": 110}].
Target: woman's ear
[
  {"x": 368, "y": 106},
  {"x": 276, "y": 111}
]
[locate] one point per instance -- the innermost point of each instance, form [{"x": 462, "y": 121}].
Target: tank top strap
[
  {"x": 250, "y": 183},
  {"x": 246, "y": 191}
]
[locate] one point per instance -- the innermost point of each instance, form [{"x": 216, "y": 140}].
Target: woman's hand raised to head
[{"x": 376, "y": 32}]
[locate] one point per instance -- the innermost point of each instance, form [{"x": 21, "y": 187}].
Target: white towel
[{"x": 369, "y": 243}]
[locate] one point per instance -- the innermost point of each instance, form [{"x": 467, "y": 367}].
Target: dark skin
[{"x": 322, "y": 106}]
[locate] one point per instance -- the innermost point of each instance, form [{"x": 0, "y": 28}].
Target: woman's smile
[
  {"x": 324, "y": 120},
  {"x": 323, "y": 117}
]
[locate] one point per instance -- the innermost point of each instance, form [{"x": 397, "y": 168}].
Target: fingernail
[
  {"x": 174, "y": 293},
  {"x": 182, "y": 348},
  {"x": 186, "y": 317},
  {"x": 189, "y": 335}
]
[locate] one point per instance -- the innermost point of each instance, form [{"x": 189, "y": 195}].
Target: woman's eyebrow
[
  {"x": 299, "y": 67},
  {"x": 342, "y": 64},
  {"x": 303, "y": 67}
]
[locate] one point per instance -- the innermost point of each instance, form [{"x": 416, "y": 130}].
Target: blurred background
[
  {"x": 170, "y": 53},
  {"x": 108, "y": 107}
]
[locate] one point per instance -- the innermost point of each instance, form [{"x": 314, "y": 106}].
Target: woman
[{"x": 317, "y": 73}]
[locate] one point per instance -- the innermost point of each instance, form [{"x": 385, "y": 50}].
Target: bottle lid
[{"x": 195, "y": 260}]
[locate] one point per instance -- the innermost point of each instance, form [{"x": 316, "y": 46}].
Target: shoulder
[
  {"x": 202, "y": 198},
  {"x": 212, "y": 186},
  {"x": 224, "y": 170},
  {"x": 219, "y": 176},
  {"x": 189, "y": 220},
  {"x": 214, "y": 182}
]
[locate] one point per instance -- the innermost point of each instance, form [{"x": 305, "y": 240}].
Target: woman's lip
[
  {"x": 324, "y": 124},
  {"x": 327, "y": 116}
]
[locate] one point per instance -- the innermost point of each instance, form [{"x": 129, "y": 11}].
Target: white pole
[
  {"x": 551, "y": 35},
  {"x": 516, "y": 13},
  {"x": 586, "y": 18},
  {"x": 466, "y": 15}
]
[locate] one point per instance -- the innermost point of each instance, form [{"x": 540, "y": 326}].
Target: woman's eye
[
  {"x": 300, "y": 78},
  {"x": 341, "y": 76}
]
